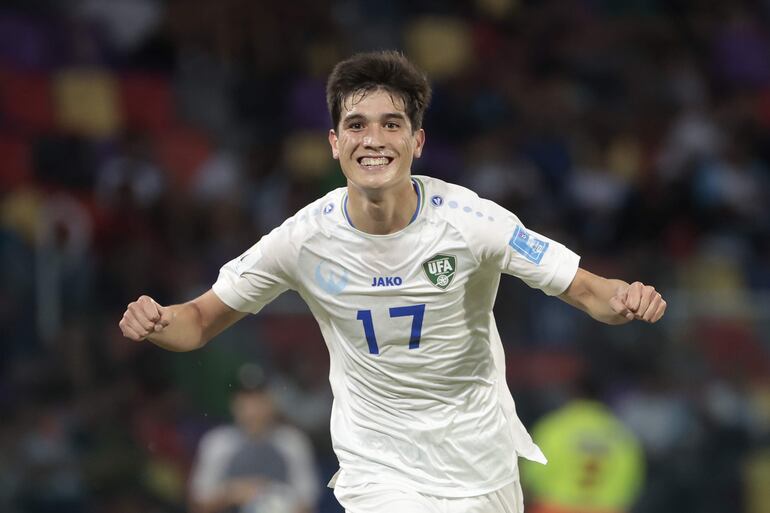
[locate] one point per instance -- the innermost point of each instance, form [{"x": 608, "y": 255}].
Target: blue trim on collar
[
  {"x": 345, "y": 210},
  {"x": 419, "y": 201}
]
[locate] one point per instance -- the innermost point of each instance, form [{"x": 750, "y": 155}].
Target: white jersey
[{"x": 417, "y": 366}]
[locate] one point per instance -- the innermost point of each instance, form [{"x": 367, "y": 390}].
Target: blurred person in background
[
  {"x": 130, "y": 181},
  {"x": 401, "y": 273},
  {"x": 597, "y": 463},
  {"x": 256, "y": 464}
]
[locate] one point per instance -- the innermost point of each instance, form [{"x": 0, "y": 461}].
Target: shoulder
[
  {"x": 292, "y": 442},
  {"x": 459, "y": 205},
  {"x": 290, "y": 437},
  {"x": 221, "y": 439},
  {"x": 320, "y": 217},
  {"x": 484, "y": 225}
]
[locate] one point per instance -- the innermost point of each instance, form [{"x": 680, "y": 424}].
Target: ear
[
  {"x": 419, "y": 138},
  {"x": 333, "y": 144}
]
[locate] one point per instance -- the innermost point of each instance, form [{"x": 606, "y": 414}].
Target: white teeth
[{"x": 368, "y": 161}]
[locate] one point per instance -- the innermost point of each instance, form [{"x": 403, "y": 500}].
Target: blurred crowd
[{"x": 144, "y": 143}]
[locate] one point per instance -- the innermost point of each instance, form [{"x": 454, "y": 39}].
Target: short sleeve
[
  {"x": 252, "y": 280},
  {"x": 539, "y": 261}
]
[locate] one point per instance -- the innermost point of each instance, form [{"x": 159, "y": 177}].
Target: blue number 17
[{"x": 417, "y": 312}]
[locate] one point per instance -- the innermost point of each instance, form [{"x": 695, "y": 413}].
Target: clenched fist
[
  {"x": 144, "y": 317},
  {"x": 638, "y": 301}
]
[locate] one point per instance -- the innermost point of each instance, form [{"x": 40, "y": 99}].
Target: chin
[{"x": 375, "y": 180}]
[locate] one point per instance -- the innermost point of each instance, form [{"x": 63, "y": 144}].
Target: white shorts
[{"x": 380, "y": 498}]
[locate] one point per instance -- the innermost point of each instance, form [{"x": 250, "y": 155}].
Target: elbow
[
  {"x": 210, "y": 323},
  {"x": 203, "y": 334}
]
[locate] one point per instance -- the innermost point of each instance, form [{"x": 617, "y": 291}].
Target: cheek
[
  {"x": 408, "y": 144},
  {"x": 344, "y": 144}
]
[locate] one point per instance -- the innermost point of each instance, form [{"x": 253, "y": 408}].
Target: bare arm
[
  {"x": 614, "y": 301},
  {"x": 181, "y": 327}
]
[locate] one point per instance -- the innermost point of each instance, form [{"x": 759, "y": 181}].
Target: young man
[{"x": 401, "y": 273}]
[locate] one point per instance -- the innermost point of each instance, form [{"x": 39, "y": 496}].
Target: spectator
[{"x": 256, "y": 464}]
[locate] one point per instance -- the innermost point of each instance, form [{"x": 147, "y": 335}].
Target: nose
[{"x": 373, "y": 139}]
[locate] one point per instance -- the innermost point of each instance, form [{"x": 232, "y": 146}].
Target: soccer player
[{"x": 401, "y": 273}]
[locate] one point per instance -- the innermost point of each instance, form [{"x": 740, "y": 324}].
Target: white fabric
[
  {"x": 438, "y": 418},
  {"x": 378, "y": 498}
]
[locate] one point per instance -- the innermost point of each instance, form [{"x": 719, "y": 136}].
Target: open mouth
[{"x": 374, "y": 162}]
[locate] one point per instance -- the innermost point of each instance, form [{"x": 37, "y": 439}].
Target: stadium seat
[
  {"x": 15, "y": 166},
  {"x": 86, "y": 102},
  {"x": 26, "y": 42},
  {"x": 146, "y": 102},
  {"x": 181, "y": 151},
  {"x": 25, "y": 101}
]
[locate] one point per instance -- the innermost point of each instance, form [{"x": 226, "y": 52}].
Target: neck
[{"x": 382, "y": 212}]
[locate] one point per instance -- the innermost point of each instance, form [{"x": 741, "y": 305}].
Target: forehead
[{"x": 374, "y": 102}]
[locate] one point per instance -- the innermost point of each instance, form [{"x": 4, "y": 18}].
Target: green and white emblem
[{"x": 440, "y": 270}]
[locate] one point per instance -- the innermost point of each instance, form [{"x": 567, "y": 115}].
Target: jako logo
[{"x": 386, "y": 281}]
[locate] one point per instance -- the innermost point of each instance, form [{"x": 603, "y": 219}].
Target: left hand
[{"x": 638, "y": 301}]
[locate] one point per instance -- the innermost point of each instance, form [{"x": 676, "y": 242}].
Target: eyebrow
[{"x": 387, "y": 115}]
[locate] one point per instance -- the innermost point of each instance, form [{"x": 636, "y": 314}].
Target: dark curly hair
[{"x": 387, "y": 70}]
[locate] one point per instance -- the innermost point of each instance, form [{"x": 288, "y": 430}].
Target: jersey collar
[{"x": 418, "y": 188}]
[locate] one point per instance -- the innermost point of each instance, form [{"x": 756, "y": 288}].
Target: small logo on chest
[
  {"x": 387, "y": 281},
  {"x": 440, "y": 270}
]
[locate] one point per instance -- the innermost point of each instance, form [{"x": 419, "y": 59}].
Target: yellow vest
[{"x": 594, "y": 462}]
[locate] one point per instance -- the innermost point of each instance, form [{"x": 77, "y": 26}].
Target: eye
[
  {"x": 355, "y": 126},
  {"x": 392, "y": 125}
]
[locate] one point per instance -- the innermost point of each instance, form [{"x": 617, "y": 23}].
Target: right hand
[{"x": 144, "y": 317}]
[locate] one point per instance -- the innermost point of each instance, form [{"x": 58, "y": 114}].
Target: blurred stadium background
[{"x": 143, "y": 143}]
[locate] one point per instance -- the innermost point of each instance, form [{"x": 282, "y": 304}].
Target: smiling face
[{"x": 374, "y": 141}]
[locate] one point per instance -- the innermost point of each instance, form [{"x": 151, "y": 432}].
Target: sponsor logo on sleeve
[
  {"x": 529, "y": 246},
  {"x": 440, "y": 270}
]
